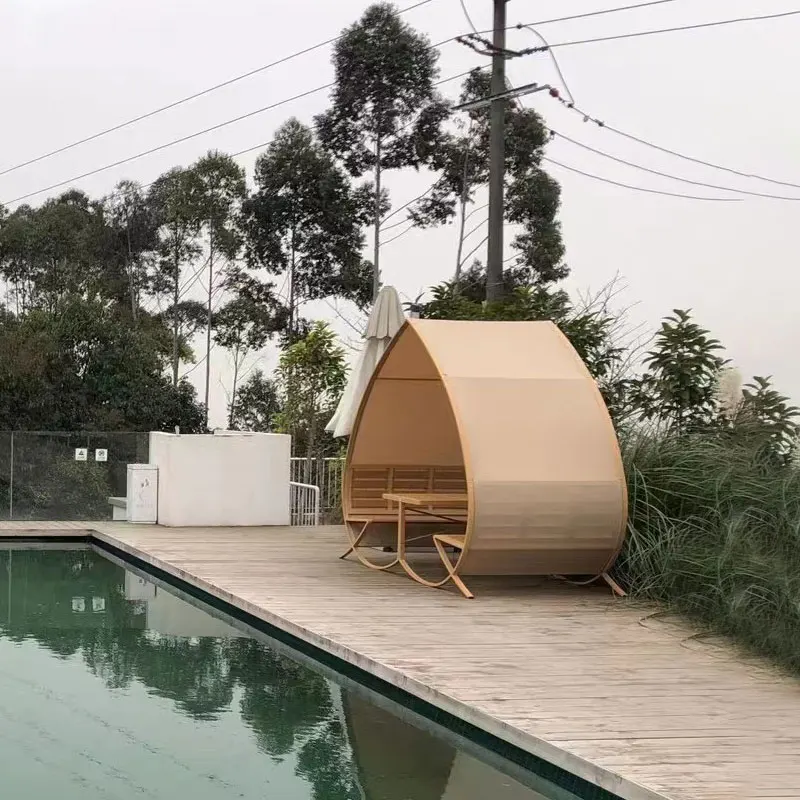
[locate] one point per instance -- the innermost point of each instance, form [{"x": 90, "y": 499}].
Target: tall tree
[
  {"x": 221, "y": 187},
  {"x": 134, "y": 232},
  {"x": 58, "y": 249},
  {"x": 385, "y": 112},
  {"x": 245, "y": 324},
  {"x": 311, "y": 378},
  {"x": 173, "y": 200},
  {"x": 304, "y": 221},
  {"x": 532, "y": 197}
]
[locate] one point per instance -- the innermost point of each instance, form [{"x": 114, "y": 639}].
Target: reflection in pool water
[{"x": 112, "y": 687}]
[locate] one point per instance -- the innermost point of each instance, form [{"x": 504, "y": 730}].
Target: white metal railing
[
  {"x": 326, "y": 473},
  {"x": 304, "y": 503}
]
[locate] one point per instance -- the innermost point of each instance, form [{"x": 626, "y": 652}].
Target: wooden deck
[{"x": 600, "y": 687}]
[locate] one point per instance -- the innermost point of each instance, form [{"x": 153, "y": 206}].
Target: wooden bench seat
[{"x": 368, "y": 484}]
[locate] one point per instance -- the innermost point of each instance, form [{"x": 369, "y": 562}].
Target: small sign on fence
[
  {"x": 101, "y": 455},
  {"x": 81, "y": 453}
]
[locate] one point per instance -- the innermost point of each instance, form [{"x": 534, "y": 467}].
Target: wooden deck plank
[{"x": 596, "y": 685}]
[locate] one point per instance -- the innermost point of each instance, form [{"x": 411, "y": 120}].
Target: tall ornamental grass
[{"x": 714, "y": 533}]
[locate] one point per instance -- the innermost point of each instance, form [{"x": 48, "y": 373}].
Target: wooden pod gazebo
[{"x": 489, "y": 441}]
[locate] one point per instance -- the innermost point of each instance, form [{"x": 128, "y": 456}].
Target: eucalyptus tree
[
  {"x": 304, "y": 221},
  {"x": 220, "y": 188},
  {"x": 385, "y": 112},
  {"x": 245, "y": 324},
  {"x": 173, "y": 200}
]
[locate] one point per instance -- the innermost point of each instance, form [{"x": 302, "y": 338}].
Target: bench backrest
[{"x": 368, "y": 484}]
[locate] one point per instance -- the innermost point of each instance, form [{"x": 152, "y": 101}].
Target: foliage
[
  {"x": 63, "y": 247},
  {"x": 713, "y": 533},
  {"x": 385, "y": 113},
  {"x": 679, "y": 386},
  {"x": 172, "y": 198},
  {"x": 532, "y": 197},
  {"x": 311, "y": 377},
  {"x": 304, "y": 220},
  {"x": 257, "y": 405},
  {"x": 85, "y": 367},
  {"x": 133, "y": 229},
  {"x": 245, "y": 324},
  {"x": 766, "y": 421},
  {"x": 383, "y": 93}
]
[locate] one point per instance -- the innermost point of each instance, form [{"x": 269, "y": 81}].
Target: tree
[
  {"x": 257, "y": 405},
  {"x": 385, "y": 112},
  {"x": 173, "y": 200},
  {"x": 532, "y": 198},
  {"x": 134, "y": 230},
  {"x": 84, "y": 367},
  {"x": 311, "y": 378},
  {"x": 679, "y": 386},
  {"x": 220, "y": 186},
  {"x": 304, "y": 220},
  {"x": 63, "y": 247},
  {"x": 245, "y": 324},
  {"x": 766, "y": 420}
]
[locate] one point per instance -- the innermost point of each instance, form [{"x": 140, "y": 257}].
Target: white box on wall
[
  {"x": 227, "y": 479},
  {"x": 142, "y": 496}
]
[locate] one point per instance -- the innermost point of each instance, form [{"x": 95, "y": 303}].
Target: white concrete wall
[{"x": 224, "y": 479}]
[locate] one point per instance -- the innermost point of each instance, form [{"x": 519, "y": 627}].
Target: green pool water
[{"x": 114, "y": 687}]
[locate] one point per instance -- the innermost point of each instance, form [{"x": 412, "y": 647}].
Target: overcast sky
[{"x": 728, "y": 95}]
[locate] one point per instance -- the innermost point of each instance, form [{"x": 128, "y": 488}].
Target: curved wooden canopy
[{"x": 513, "y": 406}]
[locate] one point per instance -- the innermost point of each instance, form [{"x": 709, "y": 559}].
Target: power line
[
  {"x": 590, "y": 14},
  {"x": 697, "y": 26},
  {"x": 188, "y": 98},
  {"x": 467, "y": 15},
  {"x": 194, "y": 135},
  {"x": 602, "y": 124},
  {"x": 397, "y": 236},
  {"x": 639, "y": 188},
  {"x": 555, "y": 60},
  {"x": 669, "y": 175}
]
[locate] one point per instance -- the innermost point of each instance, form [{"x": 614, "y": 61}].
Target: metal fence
[
  {"x": 326, "y": 473},
  {"x": 56, "y": 475}
]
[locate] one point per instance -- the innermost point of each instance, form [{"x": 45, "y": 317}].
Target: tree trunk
[
  {"x": 292, "y": 266},
  {"x": 176, "y": 296},
  {"x": 464, "y": 195},
  {"x": 131, "y": 279},
  {"x": 311, "y": 442},
  {"x": 209, "y": 315},
  {"x": 376, "y": 271},
  {"x": 232, "y": 408}
]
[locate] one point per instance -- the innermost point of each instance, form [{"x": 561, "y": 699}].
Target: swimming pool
[{"x": 112, "y": 686}]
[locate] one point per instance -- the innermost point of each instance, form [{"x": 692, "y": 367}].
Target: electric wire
[{"x": 188, "y": 98}]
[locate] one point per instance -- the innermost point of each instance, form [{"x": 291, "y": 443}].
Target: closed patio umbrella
[{"x": 384, "y": 322}]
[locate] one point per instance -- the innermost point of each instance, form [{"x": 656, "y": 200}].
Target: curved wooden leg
[
  {"x": 451, "y": 573},
  {"x": 354, "y": 542}
]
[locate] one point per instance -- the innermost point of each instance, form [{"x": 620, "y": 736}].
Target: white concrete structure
[
  {"x": 228, "y": 479},
  {"x": 170, "y": 615}
]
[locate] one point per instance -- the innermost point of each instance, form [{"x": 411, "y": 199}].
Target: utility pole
[{"x": 497, "y": 156}]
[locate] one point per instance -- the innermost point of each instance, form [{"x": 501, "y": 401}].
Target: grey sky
[{"x": 725, "y": 94}]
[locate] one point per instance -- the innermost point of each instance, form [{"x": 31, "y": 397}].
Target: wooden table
[{"x": 414, "y": 502}]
